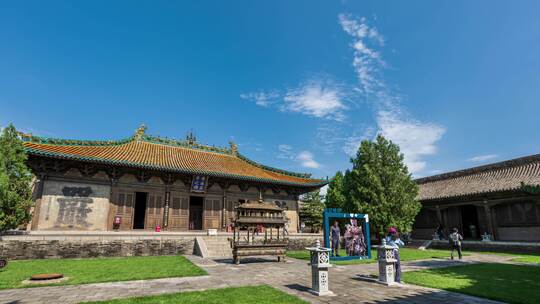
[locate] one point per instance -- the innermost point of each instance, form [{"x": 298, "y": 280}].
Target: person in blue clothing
[
  {"x": 392, "y": 239},
  {"x": 335, "y": 238}
]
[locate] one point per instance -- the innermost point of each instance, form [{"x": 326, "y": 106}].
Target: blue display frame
[{"x": 335, "y": 213}]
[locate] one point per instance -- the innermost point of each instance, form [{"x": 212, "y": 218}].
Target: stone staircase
[{"x": 213, "y": 247}]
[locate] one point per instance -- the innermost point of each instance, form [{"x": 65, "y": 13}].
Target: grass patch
[
  {"x": 82, "y": 271},
  {"x": 235, "y": 295},
  {"x": 533, "y": 259},
  {"x": 406, "y": 254},
  {"x": 502, "y": 282}
]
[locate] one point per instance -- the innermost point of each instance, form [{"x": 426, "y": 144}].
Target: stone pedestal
[
  {"x": 387, "y": 269},
  {"x": 320, "y": 263}
]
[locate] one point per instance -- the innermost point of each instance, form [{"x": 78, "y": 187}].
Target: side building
[
  {"x": 144, "y": 181},
  {"x": 501, "y": 199}
]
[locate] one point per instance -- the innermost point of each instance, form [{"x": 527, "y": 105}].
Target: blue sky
[{"x": 297, "y": 84}]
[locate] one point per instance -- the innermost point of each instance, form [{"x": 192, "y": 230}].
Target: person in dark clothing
[
  {"x": 455, "y": 241},
  {"x": 440, "y": 232},
  {"x": 335, "y": 235}
]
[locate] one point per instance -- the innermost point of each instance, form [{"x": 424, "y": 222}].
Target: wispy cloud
[
  {"x": 367, "y": 60},
  {"x": 285, "y": 152},
  {"x": 262, "y": 98},
  {"x": 415, "y": 139},
  {"x": 316, "y": 98},
  {"x": 352, "y": 143},
  {"x": 483, "y": 158},
  {"x": 305, "y": 158}
]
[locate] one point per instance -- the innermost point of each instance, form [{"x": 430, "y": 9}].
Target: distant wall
[{"x": 528, "y": 234}]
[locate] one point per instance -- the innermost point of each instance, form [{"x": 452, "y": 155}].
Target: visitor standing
[
  {"x": 455, "y": 241},
  {"x": 335, "y": 234},
  {"x": 393, "y": 240}
]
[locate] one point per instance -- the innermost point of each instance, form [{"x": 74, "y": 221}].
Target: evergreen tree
[
  {"x": 312, "y": 210},
  {"x": 15, "y": 181},
  {"x": 380, "y": 185},
  {"x": 335, "y": 196}
]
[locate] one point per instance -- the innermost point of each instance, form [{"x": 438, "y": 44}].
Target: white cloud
[
  {"x": 263, "y": 99},
  {"x": 367, "y": 60},
  {"x": 316, "y": 98},
  {"x": 482, "y": 158},
  {"x": 307, "y": 160},
  {"x": 415, "y": 139}
]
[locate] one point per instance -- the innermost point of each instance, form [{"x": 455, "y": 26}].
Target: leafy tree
[
  {"x": 312, "y": 210},
  {"x": 380, "y": 185},
  {"x": 335, "y": 196},
  {"x": 15, "y": 181}
]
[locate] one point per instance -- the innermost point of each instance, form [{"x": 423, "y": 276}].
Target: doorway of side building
[
  {"x": 140, "y": 210},
  {"x": 469, "y": 222},
  {"x": 195, "y": 212}
]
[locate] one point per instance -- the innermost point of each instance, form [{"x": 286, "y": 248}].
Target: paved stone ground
[{"x": 293, "y": 277}]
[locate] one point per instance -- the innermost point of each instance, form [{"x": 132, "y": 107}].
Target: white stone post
[
  {"x": 320, "y": 262},
  {"x": 387, "y": 269}
]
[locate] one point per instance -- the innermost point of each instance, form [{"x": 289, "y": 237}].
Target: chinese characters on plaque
[{"x": 198, "y": 184}]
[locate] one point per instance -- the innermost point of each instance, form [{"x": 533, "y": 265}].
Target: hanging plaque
[{"x": 198, "y": 184}]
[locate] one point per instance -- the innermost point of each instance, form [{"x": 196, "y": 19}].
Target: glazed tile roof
[
  {"x": 504, "y": 176},
  {"x": 155, "y": 153}
]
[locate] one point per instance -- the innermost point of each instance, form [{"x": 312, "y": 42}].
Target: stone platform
[{"x": 85, "y": 244}]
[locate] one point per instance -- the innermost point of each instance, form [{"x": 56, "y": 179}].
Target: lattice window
[
  {"x": 176, "y": 206},
  {"x": 159, "y": 204},
  {"x": 129, "y": 203},
  {"x": 185, "y": 206},
  {"x": 151, "y": 204},
  {"x": 121, "y": 203}
]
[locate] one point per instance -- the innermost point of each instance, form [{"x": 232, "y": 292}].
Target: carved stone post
[
  {"x": 387, "y": 269},
  {"x": 320, "y": 262}
]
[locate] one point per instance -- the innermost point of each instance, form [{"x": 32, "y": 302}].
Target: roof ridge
[
  {"x": 506, "y": 164},
  {"x": 26, "y": 137},
  {"x": 141, "y": 136}
]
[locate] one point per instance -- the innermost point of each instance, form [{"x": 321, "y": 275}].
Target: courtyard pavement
[{"x": 293, "y": 276}]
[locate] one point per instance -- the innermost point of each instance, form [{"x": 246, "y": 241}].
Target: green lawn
[
  {"x": 503, "y": 282},
  {"x": 406, "y": 254},
  {"x": 238, "y": 295},
  {"x": 81, "y": 271},
  {"x": 533, "y": 259}
]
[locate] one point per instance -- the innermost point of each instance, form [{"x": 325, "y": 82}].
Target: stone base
[
  {"x": 322, "y": 293},
  {"x": 44, "y": 282}
]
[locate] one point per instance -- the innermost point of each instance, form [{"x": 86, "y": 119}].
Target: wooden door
[
  {"x": 124, "y": 209},
  {"x": 212, "y": 212},
  {"x": 154, "y": 211},
  {"x": 453, "y": 219},
  {"x": 178, "y": 212}
]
